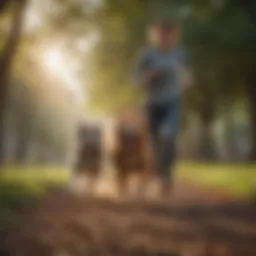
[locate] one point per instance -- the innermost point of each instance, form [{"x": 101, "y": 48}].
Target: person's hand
[{"x": 153, "y": 73}]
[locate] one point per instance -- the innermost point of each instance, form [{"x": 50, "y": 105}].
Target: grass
[
  {"x": 37, "y": 175},
  {"x": 21, "y": 185},
  {"x": 240, "y": 180}
]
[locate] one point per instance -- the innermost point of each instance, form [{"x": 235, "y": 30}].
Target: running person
[{"x": 158, "y": 72}]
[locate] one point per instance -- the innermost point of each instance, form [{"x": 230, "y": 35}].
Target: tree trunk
[
  {"x": 206, "y": 145},
  {"x": 251, "y": 89},
  {"x": 22, "y": 140},
  {"x": 6, "y": 58},
  {"x": 206, "y": 148},
  {"x": 230, "y": 142}
]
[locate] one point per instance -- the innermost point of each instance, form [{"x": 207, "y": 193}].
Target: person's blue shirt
[{"x": 167, "y": 87}]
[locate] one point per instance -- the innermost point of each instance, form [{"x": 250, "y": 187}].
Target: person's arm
[{"x": 143, "y": 74}]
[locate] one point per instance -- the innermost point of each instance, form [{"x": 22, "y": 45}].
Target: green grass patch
[
  {"x": 36, "y": 175},
  {"x": 238, "y": 179},
  {"x": 22, "y": 186},
  {"x": 15, "y": 196},
  {"x": 25, "y": 182}
]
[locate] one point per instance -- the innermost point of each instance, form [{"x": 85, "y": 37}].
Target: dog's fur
[
  {"x": 131, "y": 152},
  {"x": 90, "y": 152}
]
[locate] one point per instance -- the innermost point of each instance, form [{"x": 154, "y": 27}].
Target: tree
[
  {"x": 232, "y": 36},
  {"x": 6, "y": 59},
  {"x": 68, "y": 20}
]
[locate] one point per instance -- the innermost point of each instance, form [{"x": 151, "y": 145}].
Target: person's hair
[{"x": 163, "y": 25}]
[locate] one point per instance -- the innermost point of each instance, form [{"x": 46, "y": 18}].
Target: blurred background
[
  {"x": 66, "y": 61},
  {"x": 63, "y": 61}
]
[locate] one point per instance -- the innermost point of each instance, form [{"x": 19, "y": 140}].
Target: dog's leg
[
  {"x": 142, "y": 184},
  {"x": 122, "y": 179}
]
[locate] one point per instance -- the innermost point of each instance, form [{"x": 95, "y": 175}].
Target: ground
[{"x": 196, "y": 221}]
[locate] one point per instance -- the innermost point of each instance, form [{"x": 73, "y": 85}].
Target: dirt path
[{"x": 195, "y": 222}]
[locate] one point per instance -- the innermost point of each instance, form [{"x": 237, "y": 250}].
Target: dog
[
  {"x": 90, "y": 152},
  {"x": 130, "y": 154}
]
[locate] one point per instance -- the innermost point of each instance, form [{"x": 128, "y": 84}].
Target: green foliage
[
  {"x": 122, "y": 32},
  {"x": 220, "y": 38}
]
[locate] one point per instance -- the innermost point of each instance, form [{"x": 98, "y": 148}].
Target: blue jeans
[{"x": 163, "y": 125}]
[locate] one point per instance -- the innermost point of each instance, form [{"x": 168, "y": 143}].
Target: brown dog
[
  {"x": 130, "y": 155},
  {"x": 90, "y": 152}
]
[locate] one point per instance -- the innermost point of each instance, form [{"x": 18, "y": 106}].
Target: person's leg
[
  {"x": 167, "y": 165},
  {"x": 154, "y": 121},
  {"x": 169, "y": 130}
]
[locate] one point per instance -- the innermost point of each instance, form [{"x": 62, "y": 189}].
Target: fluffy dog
[
  {"x": 90, "y": 152},
  {"x": 130, "y": 154}
]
